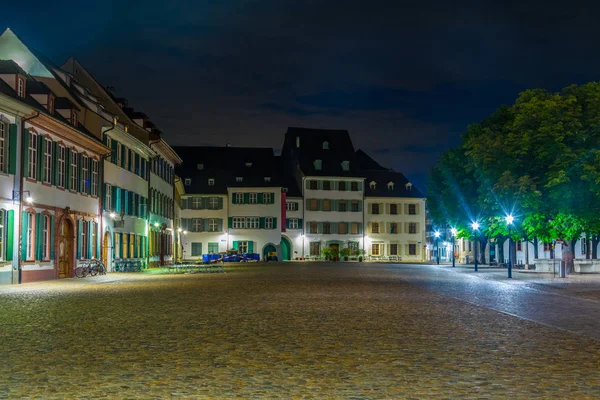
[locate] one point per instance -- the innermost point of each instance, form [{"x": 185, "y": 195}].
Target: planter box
[
  {"x": 583, "y": 266},
  {"x": 547, "y": 264}
]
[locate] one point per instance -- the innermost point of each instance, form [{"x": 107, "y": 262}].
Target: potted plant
[
  {"x": 334, "y": 254},
  {"x": 361, "y": 253},
  {"x": 345, "y": 252},
  {"x": 326, "y": 253}
]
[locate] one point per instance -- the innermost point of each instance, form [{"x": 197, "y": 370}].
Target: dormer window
[
  {"x": 267, "y": 179},
  {"x": 326, "y": 145},
  {"x": 50, "y": 104},
  {"x": 114, "y": 120},
  {"x": 390, "y": 186},
  {"x": 211, "y": 182},
  {"x": 21, "y": 87},
  {"x": 126, "y": 128},
  {"x": 187, "y": 182},
  {"x": 200, "y": 167},
  {"x": 285, "y": 190},
  {"x": 346, "y": 165},
  {"x": 248, "y": 164},
  {"x": 297, "y": 142},
  {"x": 74, "y": 118},
  {"x": 408, "y": 186},
  {"x": 373, "y": 185},
  {"x": 239, "y": 179},
  {"x": 318, "y": 165}
]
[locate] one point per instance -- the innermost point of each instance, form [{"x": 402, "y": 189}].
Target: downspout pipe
[
  {"x": 101, "y": 190},
  {"x": 21, "y": 185}
]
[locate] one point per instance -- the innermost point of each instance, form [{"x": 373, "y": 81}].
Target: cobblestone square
[{"x": 296, "y": 330}]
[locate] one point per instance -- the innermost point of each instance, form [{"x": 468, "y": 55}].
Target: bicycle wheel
[
  {"x": 79, "y": 272},
  {"x": 93, "y": 270},
  {"x": 85, "y": 271}
]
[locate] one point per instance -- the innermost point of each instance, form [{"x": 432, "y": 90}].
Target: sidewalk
[{"x": 585, "y": 286}]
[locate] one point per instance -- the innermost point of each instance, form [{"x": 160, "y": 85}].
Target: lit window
[
  {"x": 73, "y": 171},
  {"x": 84, "y": 174},
  {"x": 269, "y": 223},
  {"x": 346, "y": 165},
  {"x": 267, "y": 198},
  {"x": 21, "y": 87},
  {"x": 325, "y": 145},
  {"x": 48, "y": 162},
  {"x": 375, "y": 249},
  {"x": 94, "y": 178},
  {"x": 213, "y": 225},
  {"x": 211, "y": 182},
  {"x": 293, "y": 223},
  {"x": 253, "y": 198},
  {"x": 318, "y": 165},
  {"x": 342, "y": 228},
  {"x": 32, "y": 160}
]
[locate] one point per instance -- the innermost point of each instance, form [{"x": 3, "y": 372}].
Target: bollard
[{"x": 562, "y": 273}]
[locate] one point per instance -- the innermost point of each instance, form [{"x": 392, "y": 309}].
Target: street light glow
[
  {"x": 29, "y": 199},
  {"x": 509, "y": 219},
  {"x": 436, "y": 234},
  {"x": 179, "y": 230},
  {"x": 453, "y": 231},
  {"x": 113, "y": 215},
  {"x": 475, "y": 225}
]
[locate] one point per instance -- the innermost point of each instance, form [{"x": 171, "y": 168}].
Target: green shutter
[
  {"x": 246, "y": 198},
  {"x": 220, "y": 225},
  {"x": 24, "y": 235},
  {"x": 235, "y": 245},
  {"x": 320, "y": 185},
  {"x": 205, "y": 225},
  {"x": 12, "y": 151},
  {"x": 113, "y": 154},
  {"x": 360, "y": 186},
  {"x": 250, "y": 246},
  {"x": 136, "y": 167},
  {"x": 90, "y": 243},
  {"x": 51, "y": 233},
  {"x": 79, "y": 187},
  {"x": 79, "y": 231},
  {"x": 261, "y": 222},
  {"x": 67, "y": 168},
  {"x": 113, "y": 198},
  {"x": 287, "y": 223},
  {"x": 185, "y": 224},
  {"x": 272, "y": 198},
  {"x": 54, "y": 163},
  {"x": 41, "y": 159},
  {"x": 123, "y": 150},
  {"x": 220, "y": 203},
  {"x": 360, "y": 228},
  {"x": 10, "y": 222},
  {"x": 184, "y": 203},
  {"x": 360, "y": 205},
  {"x": 261, "y": 198},
  {"x": 39, "y": 234},
  {"x": 234, "y": 198},
  {"x": 300, "y": 226},
  {"x": 319, "y": 227},
  {"x": 230, "y": 222},
  {"x": 275, "y": 223},
  {"x": 25, "y": 152}
]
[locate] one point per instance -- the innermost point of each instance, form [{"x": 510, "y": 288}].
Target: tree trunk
[
  {"x": 587, "y": 247},
  {"x": 482, "y": 243},
  {"x": 512, "y": 252},
  {"x": 568, "y": 254},
  {"x": 595, "y": 241},
  {"x": 500, "y": 241},
  {"x": 535, "y": 249},
  {"x": 526, "y": 252}
]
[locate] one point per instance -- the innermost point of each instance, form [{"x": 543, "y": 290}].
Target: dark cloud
[{"x": 405, "y": 78}]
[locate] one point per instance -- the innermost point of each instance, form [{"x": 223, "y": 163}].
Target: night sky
[{"x": 404, "y": 79}]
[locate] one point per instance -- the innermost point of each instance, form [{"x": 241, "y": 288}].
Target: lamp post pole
[
  {"x": 475, "y": 226},
  {"x": 509, "y": 221},
  {"x": 453, "y": 231},
  {"x": 437, "y": 246}
]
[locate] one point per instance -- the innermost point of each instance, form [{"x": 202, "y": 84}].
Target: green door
[
  {"x": 286, "y": 249},
  {"x": 268, "y": 249}
]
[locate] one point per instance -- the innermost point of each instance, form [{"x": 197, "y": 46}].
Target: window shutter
[
  {"x": 250, "y": 246},
  {"x": 90, "y": 243},
  {"x": 113, "y": 154},
  {"x": 24, "y": 235},
  {"x": 272, "y": 198},
  {"x": 41, "y": 160},
  {"x": 360, "y": 228},
  {"x": 123, "y": 150},
  {"x": 104, "y": 192},
  {"x": 67, "y": 168},
  {"x": 234, "y": 198},
  {"x": 205, "y": 222},
  {"x": 79, "y": 168},
  {"x": 334, "y": 227},
  {"x": 12, "y": 151},
  {"x": 98, "y": 240},
  {"x": 300, "y": 226},
  {"x": 184, "y": 203},
  {"x": 417, "y": 227},
  {"x": 113, "y": 200},
  {"x": 230, "y": 223},
  {"x": 307, "y": 184},
  {"x": 417, "y": 208},
  {"x": 54, "y": 163},
  {"x": 261, "y": 223},
  {"x": 246, "y": 198},
  {"x": 25, "y": 150},
  {"x": 51, "y": 233},
  {"x": 261, "y": 198},
  {"x": 79, "y": 244},
  {"x": 287, "y": 223},
  {"x": 220, "y": 225},
  {"x": 319, "y": 227},
  {"x": 196, "y": 249},
  {"x": 10, "y": 221},
  {"x": 360, "y": 186},
  {"x": 185, "y": 224},
  {"x": 220, "y": 204},
  {"x": 320, "y": 185},
  {"x": 360, "y": 205},
  {"x": 136, "y": 167},
  {"x": 39, "y": 234},
  {"x": 235, "y": 245}
]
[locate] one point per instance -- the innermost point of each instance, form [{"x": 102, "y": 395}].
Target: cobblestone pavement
[{"x": 287, "y": 331}]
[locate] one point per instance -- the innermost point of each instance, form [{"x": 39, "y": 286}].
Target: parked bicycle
[
  {"x": 129, "y": 266},
  {"x": 91, "y": 267}
]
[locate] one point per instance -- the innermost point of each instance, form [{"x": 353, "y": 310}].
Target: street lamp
[
  {"x": 475, "y": 226},
  {"x": 509, "y": 221},
  {"x": 453, "y": 231},
  {"x": 437, "y": 246}
]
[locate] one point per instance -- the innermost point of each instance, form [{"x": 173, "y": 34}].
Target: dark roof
[
  {"x": 35, "y": 87},
  {"x": 382, "y": 178},
  {"x": 293, "y": 189},
  {"x": 365, "y": 162},
  {"x": 63, "y": 103},
  {"x": 225, "y": 165},
  {"x": 331, "y": 146},
  {"x": 11, "y": 67}
]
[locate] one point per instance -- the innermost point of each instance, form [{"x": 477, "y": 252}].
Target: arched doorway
[
  {"x": 286, "y": 249},
  {"x": 65, "y": 249},
  {"x": 107, "y": 251},
  {"x": 269, "y": 248}
]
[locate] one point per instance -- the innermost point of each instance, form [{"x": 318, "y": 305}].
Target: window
[
  {"x": 94, "y": 178},
  {"x": 353, "y": 246},
  {"x": 126, "y": 159},
  {"x": 197, "y": 203},
  {"x": 342, "y": 228},
  {"x": 354, "y": 205},
  {"x": 117, "y": 245},
  {"x": 412, "y": 227},
  {"x": 313, "y": 227},
  {"x": 32, "y": 160},
  {"x": 291, "y": 206},
  {"x": 342, "y": 205},
  {"x": 252, "y": 222},
  {"x": 269, "y": 223},
  {"x": 46, "y": 238},
  {"x": 248, "y": 164},
  {"x": 253, "y": 198},
  {"x": 326, "y": 185},
  {"x": 243, "y": 246},
  {"x": 313, "y": 205},
  {"x": 393, "y": 227},
  {"x": 342, "y": 185},
  {"x": 375, "y": 227},
  {"x": 74, "y": 118},
  {"x": 61, "y": 166},
  {"x": 293, "y": 223},
  {"x": 394, "y": 209},
  {"x": 375, "y": 248},
  {"x": 239, "y": 178},
  {"x": 373, "y": 185},
  {"x": 30, "y": 236},
  {"x": 408, "y": 186},
  {"x": 21, "y": 87},
  {"x": 200, "y": 167},
  {"x": 326, "y": 205},
  {"x": 213, "y": 248},
  {"x": 267, "y": 199},
  {"x": 108, "y": 197},
  {"x": 3, "y": 147},
  {"x": 520, "y": 246},
  {"x": 325, "y": 145},
  {"x": 547, "y": 246},
  {"x": 213, "y": 225},
  {"x": 73, "y": 171},
  {"x": 267, "y": 179},
  {"x": 326, "y": 228},
  {"x": 354, "y": 228},
  {"x": 187, "y": 182},
  {"x": 583, "y": 245},
  {"x": 412, "y": 249},
  {"x": 318, "y": 165},
  {"x": 390, "y": 186},
  {"x": 119, "y": 154},
  {"x": 312, "y": 185},
  {"x": 393, "y": 249},
  {"x": 196, "y": 249},
  {"x": 315, "y": 248},
  {"x": 211, "y": 182},
  {"x": 354, "y": 186},
  {"x": 346, "y": 165},
  {"x": 239, "y": 198},
  {"x": 238, "y": 222},
  {"x": 214, "y": 203},
  {"x": 412, "y": 209},
  {"x": 375, "y": 208},
  {"x": 84, "y": 174},
  {"x": 197, "y": 225}
]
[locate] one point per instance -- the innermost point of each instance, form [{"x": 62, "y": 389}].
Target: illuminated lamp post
[
  {"x": 437, "y": 246},
  {"x": 509, "y": 221},
  {"x": 453, "y": 231},
  {"x": 475, "y": 226}
]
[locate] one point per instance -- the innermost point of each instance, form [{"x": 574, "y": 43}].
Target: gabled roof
[
  {"x": 63, "y": 103},
  {"x": 11, "y": 67},
  {"x": 400, "y": 186},
  {"x": 365, "y": 162},
  {"x": 12, "y": 48}
]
